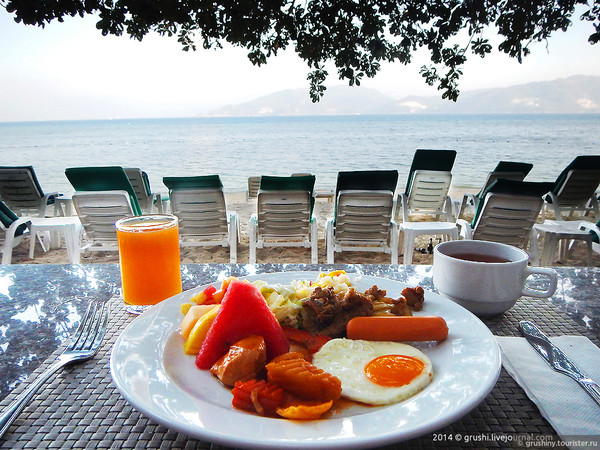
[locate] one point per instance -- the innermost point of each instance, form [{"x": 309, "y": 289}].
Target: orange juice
[{"x": 149, "y": 257}]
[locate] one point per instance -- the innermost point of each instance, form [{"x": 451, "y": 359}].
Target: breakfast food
[
  {"x": 283, "y": 348},
  {"x": 402, "y": 328},
  {"x": 373, "y": 372},
  {"x": 199, "y": 330},
  {"x": 242, "y": 313},
  {"x": 257, "y": 396},
  {"x": 325, "y": 305},
  {"x": 243, "y": 361},
  {"x": 304, "y": 380}
]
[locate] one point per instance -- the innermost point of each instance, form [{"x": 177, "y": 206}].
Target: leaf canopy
[{"x": 356, "y": 35}]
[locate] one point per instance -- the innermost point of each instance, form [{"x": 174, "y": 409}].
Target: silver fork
[{"x": 83, "y": 345}]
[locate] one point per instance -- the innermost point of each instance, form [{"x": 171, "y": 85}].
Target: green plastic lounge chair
[
  {"x": 509, "y": 170},
  {"x": 284, "y": 215},
  {"x": 22, "y": 193},
  {"x": 363, "y": 214},
  {"x": 575, "y": 187},
  {"x": 428, "y": 185},
  {"x": 199, "y": 203},
  {"x": 141, "y": 185},
  {"x": 507, "y": 212},
  {"x": 14, "y": 230},
  {"x": 108, "y": 178},
  {"x": 98, "y": 211}
]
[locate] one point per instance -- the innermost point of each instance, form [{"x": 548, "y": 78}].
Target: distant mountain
[
  {"x": 573, "y": 95},
  {"x": 296, "y": 102}
]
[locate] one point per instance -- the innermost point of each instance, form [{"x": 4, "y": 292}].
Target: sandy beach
[{"x": 237, "y": 202}]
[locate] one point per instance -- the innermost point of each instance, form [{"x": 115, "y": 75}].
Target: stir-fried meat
[
  {"x": 414, "y": 297},
  {"x": 326, "y": 313},
  {"x": 400, "y": 308},
  {"x": 375, "y": 293},
  {"x": 324, "y": 304}
]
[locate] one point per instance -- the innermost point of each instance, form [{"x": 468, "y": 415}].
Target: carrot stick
[{"x": 399, "y": 328}]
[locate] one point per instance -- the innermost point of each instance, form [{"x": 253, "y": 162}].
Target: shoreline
[{"x": 298, "y": 255}]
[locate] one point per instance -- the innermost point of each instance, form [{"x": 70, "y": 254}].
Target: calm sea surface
[{"x": 236, "y": 148}]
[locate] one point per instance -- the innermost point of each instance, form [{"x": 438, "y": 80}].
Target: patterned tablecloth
[{"x": 80, "y": 407}]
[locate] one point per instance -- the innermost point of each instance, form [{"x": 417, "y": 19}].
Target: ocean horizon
[{"x": 239, "y": 147}]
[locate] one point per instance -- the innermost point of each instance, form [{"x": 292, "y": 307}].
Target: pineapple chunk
[
  {"x": 196, "y": 337},
  {"x": 194, "y": 313}
]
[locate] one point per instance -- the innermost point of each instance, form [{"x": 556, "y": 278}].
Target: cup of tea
[
  {"x": 486, "y": 277},
  {"x": 149, "y": 259}
]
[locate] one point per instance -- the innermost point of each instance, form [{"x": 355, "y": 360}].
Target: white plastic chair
[
  {"x": 364, "y": 221},
  {"x": 253, "y": 187},
  {"x": 12, "y": 234},
  {"x": 203, "y": 216},
  {"x": 473, "y": 199},
  {"x": 505, "y": 218},
  {"x": 284, "y": 219},
  {"x": 575, "y": 188},
  {"x": 575, "y": 194},
  {"x": 22, "y": 193},
  {"x": 428, "y": 194},
  {"x": 141, "y": 185},
  {"x": 98, "y": 211}
]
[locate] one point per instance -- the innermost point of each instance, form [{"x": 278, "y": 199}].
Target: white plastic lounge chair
[
  {"x": 363, "y": 218},
  {"x": 428, "y": 183},
  {"x": 574, "y": 189},
  {"x": 98, "y": 211},
  {"x": 507, "y": 213},
  {"x": 363, "y": 222},
  {"x": 14, "y": 229},
  {"x": 253, "y": 187},
  {"x": 508, "y": 170},
  {"x": 141, "y": 185},
  {"x": 284, "y": 216},
  {"x": 22, "y": 193},
  {"x": 199, "y": 203},
  {"x": 428, "y": 194},
  {"x": 104, "y": 178}
]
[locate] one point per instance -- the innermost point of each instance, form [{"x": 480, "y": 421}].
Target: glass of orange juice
[{"x": 149, "y": 257}]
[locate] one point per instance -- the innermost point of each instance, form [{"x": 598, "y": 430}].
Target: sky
[{"x": 69, "y": 71}]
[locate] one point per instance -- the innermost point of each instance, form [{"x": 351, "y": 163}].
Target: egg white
[{"x": 346, "y": 359}]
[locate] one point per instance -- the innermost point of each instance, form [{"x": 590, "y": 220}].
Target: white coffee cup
[{"x": 485, "y": 277}]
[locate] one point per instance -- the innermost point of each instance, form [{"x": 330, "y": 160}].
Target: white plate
[{"x": 150, "y": 369}]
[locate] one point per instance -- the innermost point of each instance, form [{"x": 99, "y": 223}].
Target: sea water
[{"x": 236, "y": 148}]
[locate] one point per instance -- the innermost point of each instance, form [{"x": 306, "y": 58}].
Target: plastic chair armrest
[
  {"x": 464, "y": 229},
  {"x": 404, "y": 206},
  {"x": 592, "y": 228}
]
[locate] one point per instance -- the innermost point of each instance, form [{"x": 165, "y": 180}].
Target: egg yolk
[{"x": 393, "y": 370}]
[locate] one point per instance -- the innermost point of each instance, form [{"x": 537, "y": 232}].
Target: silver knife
[{"x": 555, "y": 357}]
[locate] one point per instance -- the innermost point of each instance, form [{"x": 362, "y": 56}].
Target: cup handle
[{"x": 550, "y": 273}]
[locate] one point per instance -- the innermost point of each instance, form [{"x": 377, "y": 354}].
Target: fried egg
[{"x": 376, "y": 373}]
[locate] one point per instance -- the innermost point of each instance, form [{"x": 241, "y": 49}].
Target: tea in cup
[{"x": 486, "y": 277}]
